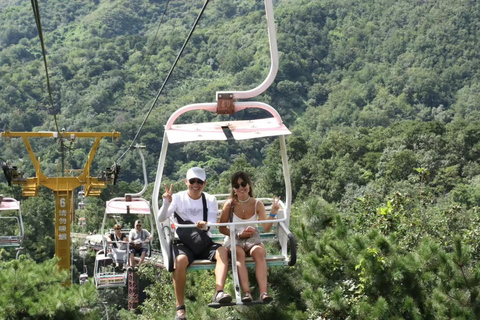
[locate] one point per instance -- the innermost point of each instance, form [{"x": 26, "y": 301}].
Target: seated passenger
[
  {"x": 188, "y": 205},
  {"x": 118, "y": 240},
  {"x": 138, "y": 239},
  {"x": 241, "y": 207}
]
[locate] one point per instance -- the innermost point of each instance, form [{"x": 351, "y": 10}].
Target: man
[
  {"x": 188, "y": 205},
  {"x": 138, "y": 239}
]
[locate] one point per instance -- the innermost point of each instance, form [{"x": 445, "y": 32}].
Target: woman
[
  {"x": 118, "y": 241},
  {"x": 241, "y": 206}
]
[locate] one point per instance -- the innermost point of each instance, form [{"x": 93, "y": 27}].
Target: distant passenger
[
  {"x": 139, "y": 239},
  {"x": 243, "y": 207},
  {"x": 118, "y": 240}
]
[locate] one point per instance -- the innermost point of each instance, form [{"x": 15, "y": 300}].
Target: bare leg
[
  {"x": 132, "y": 260},
  {"x": 258, "y": 254},
  {"x": 142, "y": 257},
  {"x": 179, "y": 280},
  {"x": 242, "y": 270},
  {"x": 221, "y": 268}
]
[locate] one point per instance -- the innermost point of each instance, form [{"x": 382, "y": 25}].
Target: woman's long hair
[{"x": 244, "y": 176}]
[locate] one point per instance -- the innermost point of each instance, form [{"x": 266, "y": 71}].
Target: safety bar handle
[{"x": 292, "y": 244}]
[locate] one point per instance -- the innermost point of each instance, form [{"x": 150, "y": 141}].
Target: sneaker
[
  {"x": 247, "y": 297},
  {"x": 130, "y": 269},
  {"x": 265, "y": 298},
  {"x": 222, "y": 297}
]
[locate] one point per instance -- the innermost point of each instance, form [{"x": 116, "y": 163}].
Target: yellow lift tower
[{"x": 62, "y": 186}]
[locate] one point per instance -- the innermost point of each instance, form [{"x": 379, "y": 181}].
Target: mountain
[{"x": 381, "y": 97}]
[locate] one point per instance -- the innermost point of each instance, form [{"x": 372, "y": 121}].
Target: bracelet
[
  {"x": 273, "y": 215},
  {"x": 237, "y": 235}
]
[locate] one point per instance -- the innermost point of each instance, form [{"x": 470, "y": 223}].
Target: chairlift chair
[
  {"x": 105, "y": 274},
  {"x": 233, "y": 130},
  {"x": 12, "y": 230},
  {"x": 84, "y": 276}
]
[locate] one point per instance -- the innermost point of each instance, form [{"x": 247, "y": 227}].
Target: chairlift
[
  {"x": 11, "y": 224},
  {"x": 268, "y": 127},
  {"x": 105, "y": 273},
  {"x": 81, "y": 197},
  {"x": 83, "y": 251},
  {"x": 84, "y": 276}
]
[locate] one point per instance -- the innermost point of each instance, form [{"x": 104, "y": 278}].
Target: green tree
[{"x": 37, "y": 291}]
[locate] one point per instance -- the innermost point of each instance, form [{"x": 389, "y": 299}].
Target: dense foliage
[
  {"x": 37, "y": 291},
  {"x": 381, "y": 97}
]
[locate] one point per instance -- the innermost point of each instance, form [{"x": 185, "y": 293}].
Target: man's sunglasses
[
  {"x": 118, "y": 228},
  {"x": 193, "y": 180},
  {"x": 236, "y": 185}
]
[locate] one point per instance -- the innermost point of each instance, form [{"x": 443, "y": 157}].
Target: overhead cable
[
  {"x": 159, "y": 24},
  {"x": 167, "y": 78},
  {"x": 36, "y": 13}
]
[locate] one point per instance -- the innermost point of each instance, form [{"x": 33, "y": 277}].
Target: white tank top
[{"x": 239, "y": 228}]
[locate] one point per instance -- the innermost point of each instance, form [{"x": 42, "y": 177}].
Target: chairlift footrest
[{"x": 217, "y": 305}]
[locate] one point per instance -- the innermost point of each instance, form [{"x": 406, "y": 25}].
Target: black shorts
[
  {"x": 209, "y": 253},
  {"x": 138, "y": 251}
]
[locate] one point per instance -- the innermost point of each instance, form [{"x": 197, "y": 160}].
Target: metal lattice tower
[{"x": 132, "y": 291}]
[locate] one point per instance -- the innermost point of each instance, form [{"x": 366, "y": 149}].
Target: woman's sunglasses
[
  {"x": 236, "y": 185},
  {"x": 193, "y": 180}
]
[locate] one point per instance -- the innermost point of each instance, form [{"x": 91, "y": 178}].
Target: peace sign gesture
[
  {"x": 275, "y": 205},
  {"x": 168, "y": 193}
]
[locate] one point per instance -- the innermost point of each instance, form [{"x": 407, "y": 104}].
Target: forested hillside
[{"x": 382, "y": 98}]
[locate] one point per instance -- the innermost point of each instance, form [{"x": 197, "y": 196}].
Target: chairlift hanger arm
[
  {"x": 145, "y": 177},
  {"x": 272, "y": 38}
]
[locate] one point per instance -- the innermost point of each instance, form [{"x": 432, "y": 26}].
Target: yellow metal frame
[
  {"x": 62, "y": 186},
  {"x": 92, "y": 185}
]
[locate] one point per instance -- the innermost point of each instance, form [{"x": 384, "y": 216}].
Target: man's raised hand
[{"x": 168, "y": 193}]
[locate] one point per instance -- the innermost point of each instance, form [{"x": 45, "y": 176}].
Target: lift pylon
[{"x": 62, "y": 186}]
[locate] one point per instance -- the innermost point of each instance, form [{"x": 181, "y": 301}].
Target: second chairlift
[{"x": 106, "y": 274}]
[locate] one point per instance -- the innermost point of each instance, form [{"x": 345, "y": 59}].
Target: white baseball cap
[{"x": 196, "y": 172}]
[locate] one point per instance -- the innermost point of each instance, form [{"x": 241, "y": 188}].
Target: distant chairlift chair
[
  {"x": 11, "y": 224},
  {"x": 105, "y": 274}
]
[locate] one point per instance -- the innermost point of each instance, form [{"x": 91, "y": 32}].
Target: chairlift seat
[
  {"x": 272, "y": 261},
  {"x": 10, "y": 241}
]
